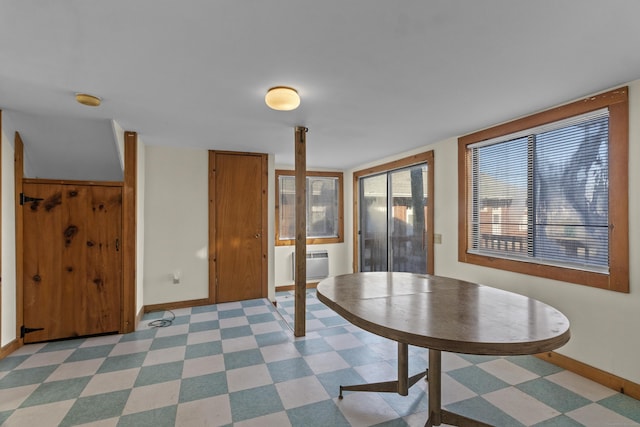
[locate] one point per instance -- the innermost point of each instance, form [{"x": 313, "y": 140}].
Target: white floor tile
[
  {"x": 279, "y": 419},
  {"x": 521, "y": 406},
  {"x": 326, "y": 362},
  {"x": 203, "y": 366},
  {"x": 343, "y": 341},
  {"x": 105, "y": 340},
  {"x": 580, "y": 385},
  {"x": 261, "y": 309},
  {"x": 45, "y": 359},
  {"x": 274, "y": 353},
  {"x": 203, "y": 336},
  {"x": 229, "y": 306},
  {"x": 207, "y": 316},
  {"x": 249, "y": 377},
  {"x": 233, "y": 322},
  {"x": 130, "y": 347},
  {"x": 594, "y": 415},
  {"x": 79, "y": 369},
  {"x": 301, "y": 391},
  {"x": 452, "y": 391},
  {"x": 239, "y": 344},
  {"x": 164, "y": 355},
  {"x": 48, "y": 415},
  {"x": 151, "y": 397},
  {"x": 507, "y": 371},
  {"x": 213, "y": 411},
  {"x": 111, "y": 381},
  {"x": 109, "y": 422},
  {"x": 12, "y": 398},
  {"x": 376, "y": 372},
  {"x": 451, "y": 361},
  {"x": 365, "y": 409},
  {"x": 173, "y": 330},
  {"x": 266, "y": 327},
  {"x": 28, "y": 349}
]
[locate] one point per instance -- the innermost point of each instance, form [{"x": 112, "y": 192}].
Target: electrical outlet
[{"x": 437, "y": 239}]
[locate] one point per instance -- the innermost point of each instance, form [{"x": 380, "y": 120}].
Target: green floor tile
[{"x": 95, "y": 408}]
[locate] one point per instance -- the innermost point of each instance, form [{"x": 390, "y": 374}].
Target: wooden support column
[
  {"x": 299, "y": 329},
  {"x": 18, "y": 175},
  {"x": 128, "y": 322}
]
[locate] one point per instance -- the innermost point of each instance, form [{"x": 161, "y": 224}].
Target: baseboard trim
[
  {"x": 9, "y": 348},
  {"x": 176, "y": 305},
  {"x": 607, "y": 379},
  {"x": 139, "y": 318},
  {"x": 310, "y": 285}
]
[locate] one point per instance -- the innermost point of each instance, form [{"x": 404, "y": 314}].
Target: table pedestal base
[
  {"x": 400, "y": 386},
  {"x": 437, "y": 415}
]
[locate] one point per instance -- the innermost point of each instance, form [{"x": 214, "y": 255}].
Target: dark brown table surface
[{"x": 443, "y": 314}]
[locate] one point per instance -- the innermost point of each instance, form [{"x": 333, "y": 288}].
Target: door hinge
[
  {"x": 24, "y": 330},
  {"x": 26, "y": 199}
]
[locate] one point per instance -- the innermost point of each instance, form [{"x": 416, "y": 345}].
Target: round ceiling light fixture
[
  {"x": 88, "y": 100},
  {"x": 282, "y": 98}
]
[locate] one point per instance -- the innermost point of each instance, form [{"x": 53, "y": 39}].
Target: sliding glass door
[{"x": 393, "y": 220}]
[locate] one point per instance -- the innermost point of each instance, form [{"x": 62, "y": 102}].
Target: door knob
[{"x": 257, "y": 236}]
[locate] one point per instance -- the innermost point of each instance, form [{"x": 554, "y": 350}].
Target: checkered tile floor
[
  {"x": 318, "y": 317},
  {"x": 238, "y": 364}
]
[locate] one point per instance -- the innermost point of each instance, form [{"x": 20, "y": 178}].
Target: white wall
[
  {"x": 175, "y": 224},
  {"x": 339, "y": 257},
  {"x": 8, "y": 308},
  {"x": 605, "y": 325},
  {"x": 337, "y": 261}
]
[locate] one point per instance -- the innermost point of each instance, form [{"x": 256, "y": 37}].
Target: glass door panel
[
  {"x": 393, "y": 213},
  {"x": 373, "y": 217},
  {"x": 407, "y": 234}
]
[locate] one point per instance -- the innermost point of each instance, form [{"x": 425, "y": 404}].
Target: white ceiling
[{"x": 376, "y": 77}]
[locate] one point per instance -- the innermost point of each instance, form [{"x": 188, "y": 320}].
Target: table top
[{"x": 445, "y": 314}]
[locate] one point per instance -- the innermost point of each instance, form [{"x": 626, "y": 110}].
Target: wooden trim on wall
[
  {"x": 18, "y": 175},
  {"x": 212, "y": 228},
  {"x": 1, "y": 145},
  {"x": 175, "y": 305},
  {"x": 9, "y": 348},
  {"x": 129, "y": 215},
  {"x": 598, "y": 375},
  {"x": 72, "y": 182}
]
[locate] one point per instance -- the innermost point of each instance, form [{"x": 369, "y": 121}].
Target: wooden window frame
[
  {"x": 618, "y": 277},
  {"x": 317, "y": 240}
]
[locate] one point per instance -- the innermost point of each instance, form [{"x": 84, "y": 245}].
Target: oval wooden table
[{"x": 441, "y": 314}]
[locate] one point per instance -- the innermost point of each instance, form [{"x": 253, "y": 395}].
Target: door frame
[
  {"x": 212, "y": 299},
  {"x": 424, "y": 157},
  {"x": 129, "y": 317}
]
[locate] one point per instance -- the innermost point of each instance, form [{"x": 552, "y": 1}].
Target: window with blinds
[
  {"x": 547, "y": 194},
  {"x": 543, "y": 193}
]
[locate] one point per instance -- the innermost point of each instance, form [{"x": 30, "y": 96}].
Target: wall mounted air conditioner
[{"x": 317, "y": 265}]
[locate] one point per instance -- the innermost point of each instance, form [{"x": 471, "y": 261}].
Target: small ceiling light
[
  {"x": 89, "y": 100},
  {"x": 282, "y": 98}
]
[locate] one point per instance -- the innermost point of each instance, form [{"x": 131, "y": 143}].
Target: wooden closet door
[
  {"x": 72, "y": 260},
  {"x": 240, "y": 237}
]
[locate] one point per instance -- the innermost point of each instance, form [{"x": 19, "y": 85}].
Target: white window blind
[{"x": 542, "y": 194}]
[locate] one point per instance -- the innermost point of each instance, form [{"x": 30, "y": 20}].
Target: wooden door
[
  {"x": 72, "y": 260},
  {"x": 239, "y": 212}
]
